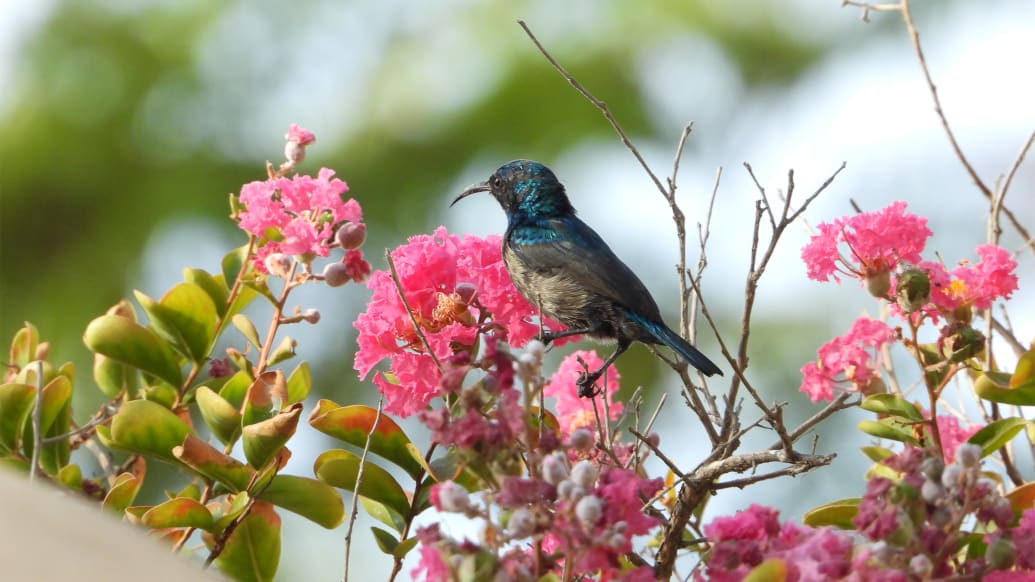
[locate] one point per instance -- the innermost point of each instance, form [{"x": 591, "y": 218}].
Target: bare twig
[
  {"x": 37, "y": 413},
  {"x": 409, "y": 310},
  {"x": 355, "y": 490}
]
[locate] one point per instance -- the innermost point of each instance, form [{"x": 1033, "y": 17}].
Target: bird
[{"x": 560, "y": 264}]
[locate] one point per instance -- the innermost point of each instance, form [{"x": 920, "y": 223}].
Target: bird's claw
[{"x": 586, "y": 384}]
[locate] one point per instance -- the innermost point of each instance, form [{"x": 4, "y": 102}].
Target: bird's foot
[
  {"x": 587, "y": 383},
  {"x": 547, "y": 337}
]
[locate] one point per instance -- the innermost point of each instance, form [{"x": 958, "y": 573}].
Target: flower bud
[
  {"x": 581, "y": 439},
  {"x": 294, "y": 152},
  {"x": 951, "y": 476},
  {"x": 278, "y": 264},
  {"x": 589, "y": 510},
  {"x": 932, "y": 467},
  {"x": 451, "y": 497},
  {"x": 566, "y": 489},
  {"x": 912, "y": 290},
  {"x": 351, "y": 235},
  {"x": 1000, "y": 554},
  {"x": 968, "y": 454},
  {"x": 336, "y": 274},
  {"x": 521, "y": 523},
  {"x": 920, "y": 566},
  {"x": 878, "y": 284},
  {"x": 311, "y": 316},
  {"x": 584, "y": 474},
  {"x": 555, "y": 468},
  {"x": 931, "y": 491},
  {"x": 962, "y": 345},
  {"x": 536, "y": 348}
]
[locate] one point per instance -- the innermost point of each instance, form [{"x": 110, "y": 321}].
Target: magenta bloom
[
  {"x": 875, "y": 242},
  {"x": 745, "y": 540},
  {"x": 953, "y": 435},
  {"x": 456, "y": 286},
  {"x": 846, "y": 359},
  {"x": 572, "y": 411},
  {"x": 302, "y": 137},
  {"x": 297, "y": 215}
]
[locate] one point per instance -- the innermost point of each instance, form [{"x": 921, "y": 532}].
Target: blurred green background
[{"x": 126, "y": 124}]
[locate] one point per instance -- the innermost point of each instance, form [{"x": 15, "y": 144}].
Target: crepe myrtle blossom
[
  {"x": 457, "y": 287},
  {"x": 574, "y": 412},
  {"x": 867, "y": 246},
  {"x": 953, "y": 294},
  {"x": 846, "y": 362}
]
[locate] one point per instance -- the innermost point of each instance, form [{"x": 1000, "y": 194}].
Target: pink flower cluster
[
  {"x": 967, "y": 285},
  {"x": 574, "y": 412},
  {"x": 846, "y": 359},
  {"x": 876, "y": 243},
  {"x": 754, "y": 535},
  {"x": 457, "y": 288}
]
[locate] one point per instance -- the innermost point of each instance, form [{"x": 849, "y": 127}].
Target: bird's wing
[{"x": 574, "y": 249}]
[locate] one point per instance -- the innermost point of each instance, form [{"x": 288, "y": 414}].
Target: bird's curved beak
[{"x": 473, "y": 189}]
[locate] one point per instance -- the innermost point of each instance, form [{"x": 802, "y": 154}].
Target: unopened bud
[
  {"x": 878, "y": 284},
  {"x": 311, "y": 316},
  {"x": 931, "y": 491},
  {"x": 1000, "y": 554},
  {"x": 581, "y": 439},
  {"x": 584, "y": 474},
  {"x": 912, "y": 290},
  {"x": 951, "y": 476},
  {"x": 965, "y": 343},
  {"x": 589, "y": 510},
  {"x": 336, "y": 274},
  {"x": 521, "y": 523},
  {"x": 932, "y": 467},
  {"x": 278, "y": 264},
  {"x": 920, "y": 565},
  {"x": 555, "y": 468},
  {"x": 968, "y": 454},
  {"x": 351, "y": 235},
  {"x": 452, "y": 497}
]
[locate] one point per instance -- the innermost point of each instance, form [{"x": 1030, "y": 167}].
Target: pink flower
[
  {"x": 990, "y": 279},
  {"x": 1024, "y": 537},
  {"x": 846, "y": 359},
  {"x": 295, "y": 216},
  {"x": 745, "y": 540},
  {"x": 876, "y": 243},
  {"x": 455, "y": 287},
  {"x": 572, "y": 411},
  {"x": 299, "y": 135},
  {"x": 953, "y": 435}
]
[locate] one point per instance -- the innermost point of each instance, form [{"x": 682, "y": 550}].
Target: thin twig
[
  {"x": 37, "y": 438},
  {"x": 409, "y": 310},
  {"x": 353, "y": 510}
]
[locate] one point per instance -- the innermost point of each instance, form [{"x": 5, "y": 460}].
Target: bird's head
[{"x": 525, "y": 188}]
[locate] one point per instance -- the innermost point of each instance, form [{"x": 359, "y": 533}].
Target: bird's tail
[{"x": 666, "y": 336}]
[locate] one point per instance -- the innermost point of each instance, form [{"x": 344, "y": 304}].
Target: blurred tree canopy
[{"x": 121, "y": 117}]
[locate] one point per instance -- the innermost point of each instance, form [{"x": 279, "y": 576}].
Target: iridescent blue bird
[{"x": 562, "y": 266}]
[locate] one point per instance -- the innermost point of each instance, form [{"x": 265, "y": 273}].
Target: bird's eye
[{"x": 495, "y": 181}]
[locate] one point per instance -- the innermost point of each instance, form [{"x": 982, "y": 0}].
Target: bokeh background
[{"x": 125, "y": 124}]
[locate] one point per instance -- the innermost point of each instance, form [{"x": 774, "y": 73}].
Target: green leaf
[
  {"x": 179, "y": 512},
  {"x": 186, "y": 317},
  {"x": 123, "y": 492},
  {"x": 404, "y": 548},
  {"x": 996, "y": 387},
  {"x": 232, "y": 264},
  {"x": 312, "y": 499},
  {"x": 1025, "y": 370},
  {"x": 380, "y": 512},
  {"x": 996, "y": 434},
  {"x": 385, "y": 539},
  {"x": 220, "y": 416},
  {"x": 258, "y": 401},
  {"x": 235, "y": 389},
  {"x": 114, "y": 377},
  {"x": 145, "y": 427},
  {"x": 1022, "y": 498},
  {"x": 299, "y": 383},
  {"x": 285, "y": 350},
  {"x": 122, "y": 340},
  {"x": 56, "y": 397},
  {"x": 838, "y": 514},
  {"x": 253, "y": 551},
  {"x": 214, "y": 287},
  {"x": 892, "y": 405},
  {"x": 71, "y": 476},
  {"x": 339, "y": 468},
  {"x": 886, "y": 428},
  {"x": 247, "y": 329},
  {"x": 771, "y": 570},
  {"x": 877, "y": 454},
  {"x": 214, "y": 464},
  {"x": 24, "y": 345},
  {"x": 353, "y": 423},
  {"x": 263, "y": 440},
  {"x": 16, "y": 402}
]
